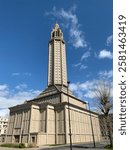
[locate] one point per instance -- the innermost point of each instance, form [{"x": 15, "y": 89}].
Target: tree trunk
[{"x": 109, "y": 129}]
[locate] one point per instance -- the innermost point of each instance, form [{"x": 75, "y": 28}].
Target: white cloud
[
  {"x": 105, "y": 54},
  {"x": 3, "y": 90},
  {"x": 106, "y": 74},
  {"x": 4, "y": 112},
  {"x": 83, "y": 90},
  {"x": 21, "y": 86},
  {"x": 85, "y": 56},
  {"x": 15, "y": 74},
  {"x": 27, "y": 74},
  {"x": 109, "y": 40},
  {"x": 3, "y": 87},
  {"x": 90, "y": 94},
  {"x": 80, "y": 65},
  {"x": 24, "y": 74},
  {"x": 73, "y": 86},
  {"x": 76, "y": 65},
  {"x": 9, "y": 98},
  {"x": 86, "y": 89},
  {"x": 70, "y": 21}
]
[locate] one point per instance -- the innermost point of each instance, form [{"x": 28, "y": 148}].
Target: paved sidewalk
[{"x": 85, "y": 146}]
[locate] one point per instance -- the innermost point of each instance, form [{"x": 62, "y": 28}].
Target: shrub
[
  {"x": 10, "y": 145},
  {"x": 108, "y": 147},
  {"x": 13, "y": 145},
  {"x": 22, "y": 145}
]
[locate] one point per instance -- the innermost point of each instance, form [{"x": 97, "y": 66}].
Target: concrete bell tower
[
  {"x": 49, "y": 118},
  {"x": 57, "y": 72}
]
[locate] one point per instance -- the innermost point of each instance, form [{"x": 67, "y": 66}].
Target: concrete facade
[
  {"x": 44, "y": 120},
  {"x": 3, "y": 128},
  {"x": 43, "y": 124}
]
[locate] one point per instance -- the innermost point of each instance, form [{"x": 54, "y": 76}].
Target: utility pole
[{"x": 70, "y": 134}]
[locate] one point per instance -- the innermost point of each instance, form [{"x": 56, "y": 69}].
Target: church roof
[{"x": 53, "y": 90}]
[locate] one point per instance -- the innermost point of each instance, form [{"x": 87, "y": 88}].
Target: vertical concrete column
[
  {"x": 14, "y": 127},
  {"x": 47, "y": 125},
  {"x": 56, "y": 132},
  {"x": 7, "y": 130},
  {"x": 30, "y": 122},
  {"x": 65, "y": 124},
  {"x": 21, "y": 131}
]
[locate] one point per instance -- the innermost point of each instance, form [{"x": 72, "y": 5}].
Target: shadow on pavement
[{"x": 77, "y": 146}]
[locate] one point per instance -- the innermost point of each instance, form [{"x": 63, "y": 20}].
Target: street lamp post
[
  {"x": 69, "y": 116},
  {"x": 94, "y": 145}
]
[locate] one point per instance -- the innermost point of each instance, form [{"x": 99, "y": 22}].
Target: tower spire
[
  {"x": 57, "y": 72},
  {"x": 56, "y": 32},
  {"x": 56, "y": 25}
]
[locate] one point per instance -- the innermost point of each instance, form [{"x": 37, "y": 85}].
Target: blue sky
[{"x": 25, "y": 27}]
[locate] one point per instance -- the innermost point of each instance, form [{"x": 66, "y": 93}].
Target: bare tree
[{"x": 103, "y": 101}]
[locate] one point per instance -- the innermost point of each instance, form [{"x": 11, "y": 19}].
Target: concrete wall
[
  {"x": 50, "y": 125},
  {"x": 81, "y": 126},
  {"x": 72, "y": 100},
  {"x": 35, "y": 118}
]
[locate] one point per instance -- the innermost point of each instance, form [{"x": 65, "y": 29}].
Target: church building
[{"x": 56, "y": 113}]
